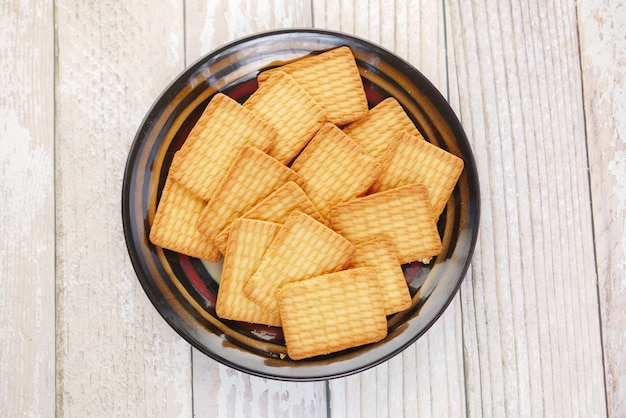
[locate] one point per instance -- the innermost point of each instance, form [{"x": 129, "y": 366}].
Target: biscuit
[
  {"x": 290, "y": 110},
  {"x": 380, "y": 254},
  {"x": 411, "y": 159},
  {"x": 302, "y": 249},
  {"x": 334, "y": 168},
  {"x": 213, "y": 143},
  {"x": 404, "y": 215},
  {"x": 331, "y": 312},
  {"x": 376, "y": 130},
  {"x": 332, "y": 78},
  {"x": 247, "y": 243},
  {"x": 276, "y": 207},
  {"x": 174, "y": 225},
  {"x": 252, "y": 177}
]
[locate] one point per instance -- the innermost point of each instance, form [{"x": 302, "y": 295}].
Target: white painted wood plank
[
  {"x": 116, "y": 355},
  {"x": 531, "y": 326},
  {"x": 209, "y": 25},
  {"x": 27, "y": 209},
  {"x": 427, "y": 378},
  {"x": 603, "y": 57},
  {"x": 221, "y": 392},
  {"x": 218, "y": 390}
]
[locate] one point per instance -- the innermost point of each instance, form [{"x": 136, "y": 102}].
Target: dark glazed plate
[{"x": 184, "y": 289}]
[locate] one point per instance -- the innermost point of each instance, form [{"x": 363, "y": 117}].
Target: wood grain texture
[
  {"x": 116, "y": 356},
  {"x": 210, "y": 25},
  {"x": 602, "y": 29},
  {"x": 530, "y": 316},
  {"x": 427, "y": 378},
  {"x": 26, "y": 209},
  {"x": 218, "y": 390},
  {"x": 538, "y": 327},
  {"x": 221, "y": 392}
]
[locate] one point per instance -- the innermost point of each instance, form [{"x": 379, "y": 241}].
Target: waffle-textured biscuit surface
[
  {"x": 380, "y": 254},
  {"x": 251, "y": 178},
  {"x": 404, "y": 215},
  {"x": 334, "y": 168},
  {"x": 376, "y": 130},
  {"x": 174, "y": 225},
  {"x": 332, "y": 78},
  {"x": 302, "y": 249},
  {"x": 213, "y": 143},
  {"x": 276, "y": 207},
  {"x": 247, "y": 243},
  {"x": 290, "y": 110},
  {"x": 411, "y": 159},
  {"x": 332, "y": 312}
]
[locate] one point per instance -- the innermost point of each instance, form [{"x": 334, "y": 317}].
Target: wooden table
[{"x": 539, "y": 325}]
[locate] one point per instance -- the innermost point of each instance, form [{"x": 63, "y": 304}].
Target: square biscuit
[
  {"x": 380, "y": 254},
  {"x": 404, "y": 215},
  {"x": 334, "y": 168},
  {"x": 377, "y": 129},
  {"x": 332, "y": 78},
  {"x": 213, "y": 143},
  {"x": 174, "y": 225},
  {"x": 253, "y": 175},
  {"x": 411, "y": 159},
  {"x": 331, "y": 312},
  {"x": 290, "y": 110},
  {"x": 247, "y": 243},
  {"x": 302, "y": 249},
  {"x": 276, "y": 207}
]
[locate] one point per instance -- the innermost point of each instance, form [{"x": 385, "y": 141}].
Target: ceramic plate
[{"x": 184, "y": 289}]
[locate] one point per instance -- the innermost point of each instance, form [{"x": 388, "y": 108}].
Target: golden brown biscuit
[
  {"x": 290, "y": 110},
  {"x": 213, "y": 143},
  {"x": 303, "y": 248},
  {"x": 376, "y": 130},
  {"x": 334, "y": 168},
  {"x": 252, "y": 177},
  {"x": 331, "y": 312},
  {"x": 380, "y": 254},
  {"x": 404, "y": 215},
  {"x": 276, "y": 207},
  {"x": 411, "y": 159},
  {"x": 174, "y": 225},
  {"x": 332, "y": 78},
  {"x": 247, "y": 243}
]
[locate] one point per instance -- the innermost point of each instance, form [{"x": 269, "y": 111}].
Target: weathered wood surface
[
  {"x": 602, "y": 29},
  {"x": 538, "y": 328},
  {"x": 115, "y": 355},
  {"x": 27, "y": 208},
  {"x": 530, "y": 313}
]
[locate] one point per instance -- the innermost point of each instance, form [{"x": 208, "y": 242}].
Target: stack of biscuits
[{"x": 313, "y": 200}]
